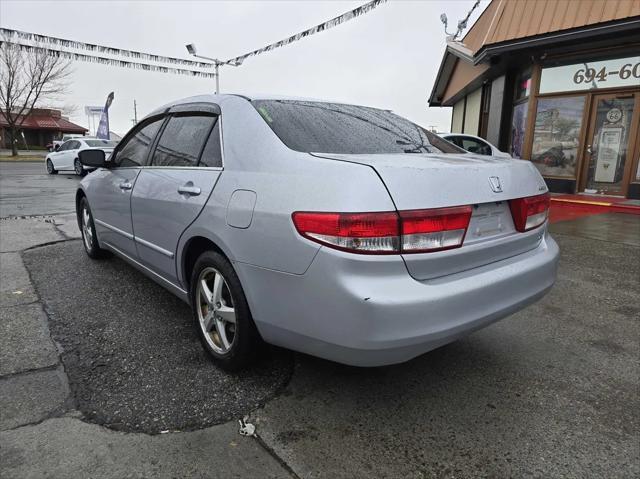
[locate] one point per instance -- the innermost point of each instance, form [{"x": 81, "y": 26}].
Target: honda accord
[{"x": 342, "y": 231}]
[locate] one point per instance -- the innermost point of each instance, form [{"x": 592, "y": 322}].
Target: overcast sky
[{"x": 387, "y": 58}]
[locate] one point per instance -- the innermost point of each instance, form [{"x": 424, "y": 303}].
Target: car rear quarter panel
[{"x": 284, "y": 181}]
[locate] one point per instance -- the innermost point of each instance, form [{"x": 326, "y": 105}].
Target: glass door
[{"x": 608, "y": 144}]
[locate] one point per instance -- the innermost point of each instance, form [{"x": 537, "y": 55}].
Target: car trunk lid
[{"x": 420, "y": 181}]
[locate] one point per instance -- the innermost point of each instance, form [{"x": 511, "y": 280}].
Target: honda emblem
[{"x": 494, "y": 181}]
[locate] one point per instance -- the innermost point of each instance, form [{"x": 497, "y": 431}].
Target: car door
[
  {"x": 59, "y": 158},
  {"x": 110, "y": 192},
  {"x": 71, "y": 154},
  {"x": 171, "y": 192}
]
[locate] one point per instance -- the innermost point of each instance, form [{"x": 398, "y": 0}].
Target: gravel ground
[{"x": 129, "y": 348}]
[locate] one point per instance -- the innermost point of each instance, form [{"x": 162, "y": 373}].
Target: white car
[
  {"x": 474, "y": 144},
  {"x": 65, "y": 158}
]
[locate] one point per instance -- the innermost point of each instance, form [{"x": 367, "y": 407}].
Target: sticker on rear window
[{"x": 265, "y": 114}]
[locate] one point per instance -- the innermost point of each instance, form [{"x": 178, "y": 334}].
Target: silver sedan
[{"x": 342, "y": 231}]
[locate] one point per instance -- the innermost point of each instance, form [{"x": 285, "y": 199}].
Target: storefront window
[
  {"x": 518, "y": 124},
  {"x": 556, "y": 135},
  {"x": 523, "y": 85}
]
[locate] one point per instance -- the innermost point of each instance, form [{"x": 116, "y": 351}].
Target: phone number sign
[{"x": 591, "y": 75}]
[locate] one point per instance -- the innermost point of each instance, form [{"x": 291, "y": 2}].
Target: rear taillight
[
  {"x": 413, "y": 231},
  {"x": 530, "y": 212},
  {"x": 434, "y": 229}
]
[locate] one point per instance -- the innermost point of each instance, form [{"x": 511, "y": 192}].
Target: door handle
[
  {"x": 189, "y": 189},
  {"x": 125, "y": 186}
]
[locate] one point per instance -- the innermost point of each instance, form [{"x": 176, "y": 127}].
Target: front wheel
[
  {"x": 50, "y": 169},
  {"x": 221, "y": 313},
  {"x": 77, "y": 167},
  {"x": 88, "y": 230}
]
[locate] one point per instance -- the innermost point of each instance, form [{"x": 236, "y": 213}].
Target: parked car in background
[
  {"x": 55, "y": 144},
  {"x": 341, "y": 231},
  {"x": 65, "y": 158},
  {"x": 474, "y": 144}
]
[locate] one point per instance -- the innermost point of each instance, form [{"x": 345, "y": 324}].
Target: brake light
[
  {"x": 530, "y": 212},
  {"x": 375, "y": 233},
  {"x": 413, "y": 231}
]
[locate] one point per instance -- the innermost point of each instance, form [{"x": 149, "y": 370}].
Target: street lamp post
[{"x": 191, "y": 48}]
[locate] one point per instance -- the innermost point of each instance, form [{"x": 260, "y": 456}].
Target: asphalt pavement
[
  {"x": 131, "y": 352},
  {"x": 27, "y": 190},
  {"x": 97, "y": 363}
]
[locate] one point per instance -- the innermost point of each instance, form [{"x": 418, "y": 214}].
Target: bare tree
[{"x": 29, "y": 76}]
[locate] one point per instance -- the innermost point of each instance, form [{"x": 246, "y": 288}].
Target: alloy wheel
[
  {"x": 49, "y": 167},
  {"x": 78, "y": 167},
  {"x": 216, "y": 310},
  {"x": 87, "y": 232}
]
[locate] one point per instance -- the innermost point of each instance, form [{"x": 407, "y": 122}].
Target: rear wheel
[
  {"x": 50, "y": 169},
  {"x": 88, "y": 230},
  {"x": 221, "y": 313},
  {"x": 77, "y": 167}
]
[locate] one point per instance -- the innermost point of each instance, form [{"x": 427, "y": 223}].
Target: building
[
  {"x": 39, "y": 129},
  {"x": 556, "y": 82}
]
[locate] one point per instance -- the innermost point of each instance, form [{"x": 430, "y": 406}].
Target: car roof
[
  {"x": 463, "y": 134},
  {"x": 213, "y": 98}
]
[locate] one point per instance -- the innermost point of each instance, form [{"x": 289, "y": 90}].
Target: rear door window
[
  {"x": 182, "y": 140},
  {"x": 135, "y": 149},
  {"x": 212, "y": 154}
]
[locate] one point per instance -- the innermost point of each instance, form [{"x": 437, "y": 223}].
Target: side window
[
  {"x": 476, "y": 146},
  {"x": 455, "y": 140},
  {"x": 212, "y": 154},
  {"x": 75, "y": 144},
  {"x": 64, "y": 146},
  {"x": 136, "y": 148},
  {"x": 182, "y": 140}
]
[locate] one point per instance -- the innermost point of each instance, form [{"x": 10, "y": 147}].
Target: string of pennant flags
[
  {"x": 28, "y": 41},
  {"x": 56, "y": 43},
  {"x": 334, "y": 22},
  {"x": 117, "y": 63}
]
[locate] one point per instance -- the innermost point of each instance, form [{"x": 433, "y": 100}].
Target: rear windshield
[
  {"x": 101, "y": 143},
  {"x": 320, "y": 127}
]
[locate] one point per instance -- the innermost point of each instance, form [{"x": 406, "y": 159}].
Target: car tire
[
  {"x": 88, "y": 231},
  {"x": 232, "y": 345},
  {"x": 50, "y": 169},
  {"x": 77, "y": 168}
]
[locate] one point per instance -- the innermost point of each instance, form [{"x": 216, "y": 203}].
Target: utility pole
[{"x": 135, "y": 113}]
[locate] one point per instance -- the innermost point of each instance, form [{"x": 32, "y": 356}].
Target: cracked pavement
[{"x": 551, "y": 391}]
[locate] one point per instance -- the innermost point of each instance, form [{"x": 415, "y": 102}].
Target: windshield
[
  {"x": 320, "y": 127},
  {"x": 101, "y": 143}
]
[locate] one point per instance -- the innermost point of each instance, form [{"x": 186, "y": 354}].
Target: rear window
[
  {"x": 320, "y": 127},
  {"x": 101, "y": 143}
]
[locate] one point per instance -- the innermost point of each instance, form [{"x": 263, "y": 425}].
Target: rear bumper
[{"x": 371, "y": 312}]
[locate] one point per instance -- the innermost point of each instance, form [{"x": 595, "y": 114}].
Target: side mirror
[
  {"x": 56, "y": 148},
  {"x": 92, "y": 158}
]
